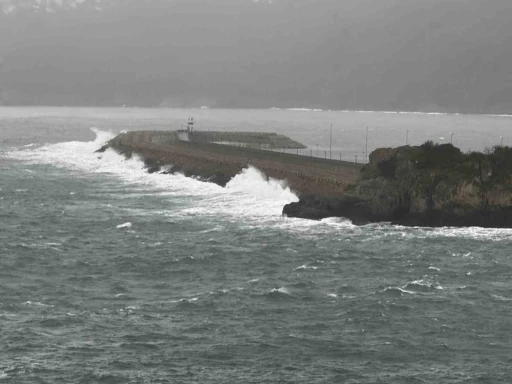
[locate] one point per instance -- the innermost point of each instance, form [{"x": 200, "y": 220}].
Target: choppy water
[{"x": 112, "y": 275}]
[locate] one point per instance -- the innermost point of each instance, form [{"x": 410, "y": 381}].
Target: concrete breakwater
[{"x": 219, "y": 163}]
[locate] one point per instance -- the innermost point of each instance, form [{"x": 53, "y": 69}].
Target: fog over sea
[{"x": 109, "y": 274}]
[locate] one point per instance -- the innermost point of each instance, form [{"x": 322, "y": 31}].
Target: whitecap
[
  {"x": 249, "y": 197},
  {"x": 501, "y": 298},
  {"x": 305, "y": 109},
  {"x": 280, "y": 290},
  {"x": 338, "y": 222},
  {"x": 422, "y": 285},
  {"x": 305, "y": 267},
  {"x": 125, "y": 225},
  {"x": 395, "y": 291},
  {"x": 37, "y": 304},
  {"x": 183, "y": 300}
]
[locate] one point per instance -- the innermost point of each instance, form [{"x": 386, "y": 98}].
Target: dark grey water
[{"x": 112, "y": 275}]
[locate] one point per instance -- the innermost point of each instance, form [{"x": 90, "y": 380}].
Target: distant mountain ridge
[{"x": 426, "y": 55}]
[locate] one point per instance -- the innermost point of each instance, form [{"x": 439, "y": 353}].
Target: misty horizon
[{"x": 426, "y": 55}]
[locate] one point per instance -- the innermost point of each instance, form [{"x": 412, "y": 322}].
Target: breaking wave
[{"x": 248, "y": 195}]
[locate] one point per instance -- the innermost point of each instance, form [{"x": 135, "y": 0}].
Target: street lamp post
[
  {"x": 501, "y": 137},
  {"x": 330, "y": 144},
  {"x": 366, "y": 145},
  {"x": 407, "y": 137},
  {"x": 317, "y": 150},
  {"x": 451, "y": 137}
]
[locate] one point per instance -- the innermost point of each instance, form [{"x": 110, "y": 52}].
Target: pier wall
[{"x": 305, "y": 175}]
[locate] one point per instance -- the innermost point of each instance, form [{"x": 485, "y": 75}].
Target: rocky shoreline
[
  {"x": 430, "y": 185},
  {"x": 360, "y": 213}
]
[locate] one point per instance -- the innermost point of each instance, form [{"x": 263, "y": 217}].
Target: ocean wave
[
  {"x": 387, "y": 230},
  {"x": 422, "y": 285},
  {"x": 125, "y": 225},
  {"x": 501, "y": 298},
  {"x": 394, "y": 292},
  {"x": 249, "y": 195},
  {"x": 280, "y": 293},
  {"x": 305, "y": 109},
  {"x": 37, "y": 304},
  {"x": 305, "y": 267}
]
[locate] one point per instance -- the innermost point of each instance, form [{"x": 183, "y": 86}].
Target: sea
[{"x": 109, "y": 274}]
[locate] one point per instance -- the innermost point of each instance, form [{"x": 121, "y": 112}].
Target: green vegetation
[
  {"x": 436, "y": 176},
  {"x": 489, "y": 169}
]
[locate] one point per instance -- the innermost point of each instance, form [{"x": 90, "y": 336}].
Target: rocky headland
[{"x": 428, "y": 185}]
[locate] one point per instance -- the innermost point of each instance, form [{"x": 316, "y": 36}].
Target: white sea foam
[
  {"x": 125, "y": 225},
  {"x": 305, "y": 109},
  {"x": 37, "y": 304},
  {"x": 475, "y": 233},
  {"x": 424, "y": 283},
  {"x": 501, "y": 298},
  {"x": 184, "y": 300},
  {"x": 383, "y": 230},
  {"x": 338, "y": 222},
  {"x": 280, "y": 290},
  {"x": 249, "y": 196},
  {"x": 304, "y": 267}
]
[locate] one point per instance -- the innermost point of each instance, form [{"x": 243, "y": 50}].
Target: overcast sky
[{"x": 341, "y": 54}]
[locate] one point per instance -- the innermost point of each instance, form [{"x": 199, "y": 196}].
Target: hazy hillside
[{"x": 339, "y": 54}]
